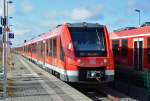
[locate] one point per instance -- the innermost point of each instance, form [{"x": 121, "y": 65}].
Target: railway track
[
  {"x": 98, "y": 92},
  {"x": 95, "y": 94}
]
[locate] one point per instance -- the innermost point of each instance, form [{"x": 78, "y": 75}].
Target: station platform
[{"x": 28, "y": 82}]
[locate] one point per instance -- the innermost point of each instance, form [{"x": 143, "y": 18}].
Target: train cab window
[
  {"x": 54, "y": 48},
  {"x": 115, "y": 47},
  {"x": 124, "y": 49},
  {"x": 61, "y": 52},
  {"x": 148, "y": 49},
  {"x": 88, "y": 41},
  {"x": 50, "y": 46}
]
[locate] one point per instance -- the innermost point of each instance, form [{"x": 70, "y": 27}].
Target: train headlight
[
  {"x": 70, "y": 46},
  {"x": 105, "y": 60},
  {"x": 93, "y": 74},
  {"x": 79, "y": 61}
]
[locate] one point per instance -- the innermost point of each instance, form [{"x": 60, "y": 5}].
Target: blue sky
[{"x": 33, "y": 17}]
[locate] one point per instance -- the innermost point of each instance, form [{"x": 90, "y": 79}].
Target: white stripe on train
[
  {"x": 131, "y": 36},
  {"x": 68, "y": 72}
]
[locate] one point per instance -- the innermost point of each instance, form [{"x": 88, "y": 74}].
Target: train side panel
[{"x": 137, "y": 43}]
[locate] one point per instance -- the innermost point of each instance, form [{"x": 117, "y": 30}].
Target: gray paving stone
[{"x": 30, "y": 83}]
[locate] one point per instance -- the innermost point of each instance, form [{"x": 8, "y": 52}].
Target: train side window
[
  {"x": 24, "y": 48},
  {"x": 47, "y": 44},
  {"x": 115, "y": 47},
  {"x": 61, "y": 52},
  {"x": 124, "y": 49},
  {"x": 50, "y": 46},
  {"x": 54, "y": 48},
  {"x": 34, "y": 48},
  {"x": 40, "y": 49},
  {"x": 148, "y": 49},
  {"x": 29, "y": 48}
]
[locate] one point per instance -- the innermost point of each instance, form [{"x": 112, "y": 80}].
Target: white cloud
[
  {"x": 77, "y": 14},
  {"x": 47, "y": 23},
  {"x": 85, "y": 13},
  {"x": 81, "y": 14},
  {"x": 12, "y": 9},
  {"x": 1, "y": 12},
  {"x": 1, "y": 8},
  {"x": 131, "y": 3},
  {"x": 21, "y": 31},
  {"x": 26, "y": 6}
]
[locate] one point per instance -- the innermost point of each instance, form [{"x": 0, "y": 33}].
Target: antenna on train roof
[
  {"x": 126, "y": 28},
  {"x": 25, "y": 41},
  {"x": 145, "y": 24},
  {"x": 97, "y": 23},
  {"x": 58, "y": 25},
  {"x": 85, "y": 24}
]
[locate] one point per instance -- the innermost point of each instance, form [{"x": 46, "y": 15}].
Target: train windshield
[{"x": 88, "y": 41}]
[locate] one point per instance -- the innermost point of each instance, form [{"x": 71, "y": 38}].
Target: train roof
[
  {"x": 44, "y": 36},
  {"x": 145, "y": 24},
  {"x": 126, "y": 28},
  {"x": 84, "y": 24},
  {"x": 140, "y": 31},
  {"x": 57, "y": 30}
]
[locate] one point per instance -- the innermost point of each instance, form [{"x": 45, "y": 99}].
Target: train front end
[{"x": 89, "y": 56}]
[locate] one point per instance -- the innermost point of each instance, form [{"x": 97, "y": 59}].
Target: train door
[
  {"x": 54, "y": 51},
  {"x": 138, "y": 49},
  {"x": 44, "y": 51},
  {"x": 31, "y": 50}
]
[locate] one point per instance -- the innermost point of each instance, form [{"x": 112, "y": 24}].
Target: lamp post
[
  {"x": 8, "y": 46},
  {"x": 5, "y": 45},
  {"x": 4, "y": 52},
  {"x": 8, "y": 2},
  {"x": 139, "y": 11}
]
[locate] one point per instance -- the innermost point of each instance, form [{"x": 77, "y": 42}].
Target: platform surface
[{"x": 28, "y": 82}]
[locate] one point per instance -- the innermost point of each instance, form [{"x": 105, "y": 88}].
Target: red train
[
  {"x": 131, "y": 47},
  {"x": 74, "y": 52}
]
